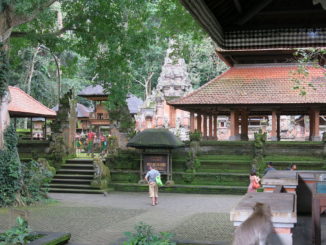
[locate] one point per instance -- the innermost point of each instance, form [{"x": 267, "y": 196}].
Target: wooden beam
[
  {"x": 199, "y": 10},
  {"x": 253, "y": 11},
  {"x": 238, "y": 6}
]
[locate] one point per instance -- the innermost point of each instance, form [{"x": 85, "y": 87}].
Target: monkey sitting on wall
[{"x": 256, "y": 228}]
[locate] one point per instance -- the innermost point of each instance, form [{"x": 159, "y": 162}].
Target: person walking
[
  {"x": 254, "y": 182},
  {"x": 90, "y": 140},
  {"x": 150, "y": 177}
]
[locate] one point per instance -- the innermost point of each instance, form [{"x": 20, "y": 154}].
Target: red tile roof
[
  {"x": 259, "y": 84},
  {"x": 23, "y": 104}
]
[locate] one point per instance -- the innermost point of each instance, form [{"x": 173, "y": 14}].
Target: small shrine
[
  {"x": 156, "y": 150},
  {"x": 155, "y": 112}
]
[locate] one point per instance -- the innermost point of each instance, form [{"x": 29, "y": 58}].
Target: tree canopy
[{"x": 108, "y": 42}]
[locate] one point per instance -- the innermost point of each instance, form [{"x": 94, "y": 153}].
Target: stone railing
[{"x": 287, "y": 193}]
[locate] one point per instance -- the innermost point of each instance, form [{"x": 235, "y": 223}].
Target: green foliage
[
  {"x": 18, "y": 235},
  {"x": 195, "y": 136},
  {"x": 20, "y": 183},
  {"x": 4, "y": 70},
  {"x": 36, "y": 179},
  {"x": 10, "y": 169},
  {"x": 145, "y": 236},
  {"x": 306, "y": 57}
]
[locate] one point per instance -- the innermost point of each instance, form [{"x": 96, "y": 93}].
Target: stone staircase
[{"x": 75, "y": 176}]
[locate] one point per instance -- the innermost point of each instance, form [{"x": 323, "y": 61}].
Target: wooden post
[
  {"x": 172, "y": 117},
  {"x": 210, "y": 126},
  {"x": 311, "y": 125},
  {"x": 31, "y": 128},
  {"x": 215, "y": 127},
  {"x": 244, "y": 125},
  {"x": 278, "y": 126},
  {"x": 315, "y": 136},
  {"x": 199, "y": 128},
  {"x": 274, "y": 126},
  {"x": 192, "y": 122},
  {"x": 234, "y": 125},
  {"x": 205, "y": 126},
  {"x": 45, "y": 128}
]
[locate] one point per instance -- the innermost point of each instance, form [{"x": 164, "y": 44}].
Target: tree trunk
[
  {"x": 4, "y": 95},
  {"x": 148, "y": 85},
  {"x": 29, "y": 76},
  {"x": 5, "y": 25}
]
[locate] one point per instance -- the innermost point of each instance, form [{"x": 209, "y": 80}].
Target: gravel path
[{"x": 100, "y": 220}]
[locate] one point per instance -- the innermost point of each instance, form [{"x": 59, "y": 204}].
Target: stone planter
[{"x": 51, "y": 238}]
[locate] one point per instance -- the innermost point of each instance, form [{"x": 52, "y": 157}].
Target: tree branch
[
  {"x": 40, "y": 36},
  {"x": 22, "y": 19}
]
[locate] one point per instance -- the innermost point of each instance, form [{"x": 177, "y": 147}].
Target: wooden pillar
[
  {"x": 199, "y": 128},
  {"x": 205, "y": 126},
  {"x": 314, "y": 125},
  {"x": 192, "y": 122},
  {"x": 274, "y": 126},
  {"x": 31, "y": 128},
  {"x": 311, "y": 125},
  {"x": 215, "y": 127},
  {"x": 244, "y": 125},
  {"x": 44, "y": 135},
  {"x": 234, "y": 125},
  {"x": 278, "y": 126},
  {"x": 210, "y": 129}
]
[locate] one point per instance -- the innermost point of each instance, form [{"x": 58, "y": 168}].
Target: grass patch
[{"x": 225, "y": 157}]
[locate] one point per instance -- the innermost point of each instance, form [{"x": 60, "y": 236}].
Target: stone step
[
  {"x": 72, "y": 186},
  {"x": 82, "y": 161},
  {"x": 75, "y": 171},
  {"x": 77, "y": 166},
  {"x": 197, "y": 189},
  {"x": 71, "y": 181},
  {"x": 74, "y": 176},
  {"x": 81, "y": 191}
]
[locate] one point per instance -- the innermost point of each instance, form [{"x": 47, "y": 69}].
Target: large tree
[{"x": 114, "y": 36}]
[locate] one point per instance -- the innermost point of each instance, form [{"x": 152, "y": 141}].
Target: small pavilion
[
  {"x": 253, "y": 90},
  {"x": 23, "y": 105}
]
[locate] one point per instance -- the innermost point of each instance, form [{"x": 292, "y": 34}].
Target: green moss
[
  {"x": 291, "y": 158},
  {"x": 125, "y": 177},
  {"x": 293, "y": 143}
]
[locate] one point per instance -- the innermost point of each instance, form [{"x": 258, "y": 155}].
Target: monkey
[{"x": 256, "y": 228}]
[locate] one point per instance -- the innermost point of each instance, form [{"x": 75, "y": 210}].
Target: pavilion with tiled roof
[
  {"x": 256, "y": 89},
  {"x": 23, "y": 105}
]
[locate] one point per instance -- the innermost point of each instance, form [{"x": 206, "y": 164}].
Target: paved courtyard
[{"x": 99, "y": 220}]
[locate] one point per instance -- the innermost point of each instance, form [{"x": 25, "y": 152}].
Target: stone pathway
[
  {"x": 99, "y": 220},
  {"x": 102, "y": 220}
]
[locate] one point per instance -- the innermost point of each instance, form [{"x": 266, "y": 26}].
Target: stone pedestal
[
  {"x": 315, "y": 138},
  {"x": 307, "y": 185},
  {"x": 284, "y": 214},
  {"x": 235, "y": 137},
  {"x": 288, "y": 179}
]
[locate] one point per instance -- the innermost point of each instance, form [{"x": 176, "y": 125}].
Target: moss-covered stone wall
[{"x": 224, "y": 164}]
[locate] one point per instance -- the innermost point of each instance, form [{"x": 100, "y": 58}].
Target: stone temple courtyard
[{"x": 99, "y": 220}]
